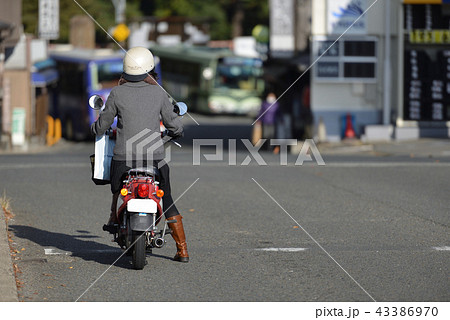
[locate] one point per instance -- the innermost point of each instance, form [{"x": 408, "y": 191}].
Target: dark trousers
[{"x": 119, "y": 170}]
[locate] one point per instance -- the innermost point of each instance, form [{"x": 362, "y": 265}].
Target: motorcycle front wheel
[{"x": 138, "y": 250}]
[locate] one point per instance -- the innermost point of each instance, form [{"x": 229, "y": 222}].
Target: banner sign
[{"x": 343, "y": 13}]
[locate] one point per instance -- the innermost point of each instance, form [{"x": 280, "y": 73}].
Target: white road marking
[
  {"x": 442, "y": 248},
  {"x": 282, "y": 249},
  {"x": 54, "y": 252}
]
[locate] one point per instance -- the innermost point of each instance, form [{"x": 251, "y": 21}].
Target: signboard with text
[
  {"x": 282, "y": 28},
  {"x": 426, "y": 61},
  {"x": 49, "y": 19}
]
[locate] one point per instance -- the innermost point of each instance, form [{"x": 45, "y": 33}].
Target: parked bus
[
  {"x": 83, "y": 73},
  {"x": 212, "y": 80}
]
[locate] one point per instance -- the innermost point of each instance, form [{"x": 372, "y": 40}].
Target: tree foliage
[
  {"x": 101, "y": 11},
  {"x": 226, "y": 16},
  {"x": 221, "y": 13}
]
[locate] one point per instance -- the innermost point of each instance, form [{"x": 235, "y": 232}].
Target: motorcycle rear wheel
[{"x": 138, "y": 250}]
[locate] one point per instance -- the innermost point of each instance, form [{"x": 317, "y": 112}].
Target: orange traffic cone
[{"x": 349, "y": 132}]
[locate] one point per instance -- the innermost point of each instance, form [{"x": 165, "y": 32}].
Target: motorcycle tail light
[{"x": 143, "y": 190}]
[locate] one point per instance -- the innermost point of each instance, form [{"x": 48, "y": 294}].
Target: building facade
[{"x": 383, "y": 63}]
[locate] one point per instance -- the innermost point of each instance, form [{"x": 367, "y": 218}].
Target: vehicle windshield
[
  {"x": 106, "y": 75},
  {"x": 238, "y": 73}
]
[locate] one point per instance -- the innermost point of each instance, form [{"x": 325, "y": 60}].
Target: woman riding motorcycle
[{"x": 139, "y": 104}]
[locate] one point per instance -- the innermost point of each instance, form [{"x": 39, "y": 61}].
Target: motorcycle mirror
[
  {"x": 182, "y": 108},
  {"x": 96, "y": 102}
]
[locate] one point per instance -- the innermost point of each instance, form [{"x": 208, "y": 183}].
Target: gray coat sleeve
[
  {"x": 170, "y": 119},
  {"x": 106, "y": 117}
]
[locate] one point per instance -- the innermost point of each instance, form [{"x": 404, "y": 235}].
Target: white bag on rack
[{"x": 104, "y": 151}]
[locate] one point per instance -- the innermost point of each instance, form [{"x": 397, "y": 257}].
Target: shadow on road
[{"x": 75, "y": 245}]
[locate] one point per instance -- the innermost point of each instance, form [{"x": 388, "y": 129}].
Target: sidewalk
[
  {"x": 31, "y": 148},
  {"x": 8, "y": 288},
  {"x": 35, "y": 147},
  {"x": 422, "y": 148}
]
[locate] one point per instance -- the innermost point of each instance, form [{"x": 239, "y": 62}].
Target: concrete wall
[{"x": 17, "y": 83}]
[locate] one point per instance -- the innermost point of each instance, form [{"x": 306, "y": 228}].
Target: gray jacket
[{"x": 138, "y": 106}]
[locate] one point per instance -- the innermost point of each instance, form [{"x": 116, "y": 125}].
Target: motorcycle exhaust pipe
[{"x": 158, "y": 242}]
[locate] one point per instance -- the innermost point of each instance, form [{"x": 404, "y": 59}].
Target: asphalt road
[{"x": 360, "y": 228}]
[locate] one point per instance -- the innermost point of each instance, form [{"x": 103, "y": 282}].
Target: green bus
[{"x": 211, "y": 80}]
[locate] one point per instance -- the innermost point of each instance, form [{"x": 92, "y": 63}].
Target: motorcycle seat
[{"x": 144, "y": 171}]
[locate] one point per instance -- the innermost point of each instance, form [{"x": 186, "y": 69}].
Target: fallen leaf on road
[{"x": 295, "y": 227}]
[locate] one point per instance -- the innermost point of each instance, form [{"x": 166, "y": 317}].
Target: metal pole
[{"x": 387, "y": 64}]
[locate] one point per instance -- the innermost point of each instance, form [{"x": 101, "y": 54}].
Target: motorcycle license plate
[{"x": 142, "y": 206}]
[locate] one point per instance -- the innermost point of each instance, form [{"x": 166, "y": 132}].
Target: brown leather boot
[{"x": 180, "y": 238}]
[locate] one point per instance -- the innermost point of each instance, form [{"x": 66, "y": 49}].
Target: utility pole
[{"x": 120, "y": 6}]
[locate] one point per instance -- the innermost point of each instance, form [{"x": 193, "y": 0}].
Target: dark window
[
  {"x": 359, "y": 49},
  {"x": 359, "y": 70},
  {"x": 180, "y": 71},
  {"x": 71, "y": 78}
]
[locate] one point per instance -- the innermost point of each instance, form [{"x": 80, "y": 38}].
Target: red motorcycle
[
  {"x": 139, "y": 215},
  {"x": 141, "y": 210}
]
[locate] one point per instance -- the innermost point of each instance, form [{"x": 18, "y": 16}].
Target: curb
[{"x": 8, "y": 288}]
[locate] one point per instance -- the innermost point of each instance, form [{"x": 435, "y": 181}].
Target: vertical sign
[
  {"x": 343, "y": 13},
  {"x": 18, "y": 127},
  {"x": 282, "y": 28},
  {"x": 49, "y": 19}
]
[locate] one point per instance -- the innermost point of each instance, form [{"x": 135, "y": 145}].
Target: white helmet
[{"x": 138, "y": 62}]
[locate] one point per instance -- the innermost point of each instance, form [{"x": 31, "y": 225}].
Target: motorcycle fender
[{"x": 141, "y": 221}]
